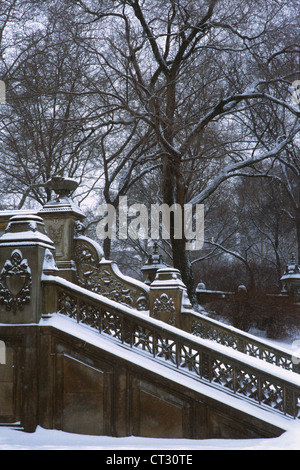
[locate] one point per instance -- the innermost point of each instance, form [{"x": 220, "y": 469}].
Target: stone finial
[
  {"x": 63, "y": 187},
  {"x": 152, "y": 265}
]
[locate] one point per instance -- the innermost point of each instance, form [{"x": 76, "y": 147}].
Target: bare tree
[
  {"x": 190, "y": 70},
  {"x": 45, "y": 122},
  {"x": 180, "y": 84}
]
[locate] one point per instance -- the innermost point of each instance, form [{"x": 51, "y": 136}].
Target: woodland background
[{"x": 171, "y": 101}]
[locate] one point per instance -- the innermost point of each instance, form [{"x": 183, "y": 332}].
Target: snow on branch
[
  {"x": 232, "y": 169},
  {"x": 228, "y": 104}
]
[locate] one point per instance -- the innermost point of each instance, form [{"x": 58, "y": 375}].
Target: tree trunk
[
  {"x": 181, "y": 260},
  {"x": 107, "y": 248},
  {"x": 173, "y": 192},
  {"x": 297, "y": 224}
]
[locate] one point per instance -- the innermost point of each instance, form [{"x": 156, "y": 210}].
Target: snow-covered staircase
[{"x": 251, "y": 385}]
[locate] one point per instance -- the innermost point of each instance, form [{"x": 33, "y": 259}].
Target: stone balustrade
[
  {"x": 233, "y": 371},
  {"x": 48, "y": 267}
]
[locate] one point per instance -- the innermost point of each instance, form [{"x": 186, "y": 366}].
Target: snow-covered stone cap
[
  {"x": 168, "y": 277},
  {"x": 290, "y": 276},
  {"x": 200, "y": 287},
  {"x": 26, "y": 229}
]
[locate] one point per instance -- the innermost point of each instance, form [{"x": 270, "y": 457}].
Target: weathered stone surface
[
  {"x": 168, "y": 297},
  {"x": 22, "y": 252}
]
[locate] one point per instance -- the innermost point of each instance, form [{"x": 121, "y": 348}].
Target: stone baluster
[{"x": 25, "y": 250}]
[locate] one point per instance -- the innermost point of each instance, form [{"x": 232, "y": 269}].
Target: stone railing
[
  {"x": 79, "y": 258},
  {"x": 177, "y": 312},
  {"x": 229, "y": 370},
  {"x": 204, "y": 327}
]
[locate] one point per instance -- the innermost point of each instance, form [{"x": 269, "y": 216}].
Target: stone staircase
[{"x": 89, "y": 350}]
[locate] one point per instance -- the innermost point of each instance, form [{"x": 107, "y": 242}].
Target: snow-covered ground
[
  {"x": 12, "y": 438},
  {"x": 15, "y": 439}
]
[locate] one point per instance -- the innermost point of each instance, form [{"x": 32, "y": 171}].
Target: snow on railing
[
  {"x": 231, "y": 370},
  {"x": 211, "y": 329}
]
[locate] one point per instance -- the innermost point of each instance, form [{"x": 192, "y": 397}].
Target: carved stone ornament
[
  {"x": 164, "y": 304},
  {"x": 49, "y": 265},
  {"x": 56, "y": 231},
  {"x": 104, "y": 278},
  {"x": 79, "y": 228},
  {"x": 15, "y": 282}
]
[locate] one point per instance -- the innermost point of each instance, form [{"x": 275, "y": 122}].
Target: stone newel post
[
  {"x": 168, "y": 297},
  {"x": 22, "y": 252},
  {"x": 60, "y": 216},
  {"x": 24, "y": 247}
]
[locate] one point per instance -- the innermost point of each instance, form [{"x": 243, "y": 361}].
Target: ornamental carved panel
[
  {"x": 164, "y": 304},
  {"x": 15, "y": 282},
  {"x": 56, "y": 229},
  {"x": 104, "y": 277}
]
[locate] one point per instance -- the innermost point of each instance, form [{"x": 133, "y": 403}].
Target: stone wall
[{"x": 61, "y": 381}]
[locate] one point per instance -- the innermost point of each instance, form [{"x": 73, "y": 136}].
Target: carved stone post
[
  {"x": 22, "y": 252},
  {"x": 168, "y": 297},
  {"x": 291, "y": 280},
  {"x": 60, "y": 216},
  {"x": 23, "y": 247}
]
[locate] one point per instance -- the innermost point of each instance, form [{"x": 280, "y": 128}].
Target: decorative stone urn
[
  {"x": 152, "y": 265},
  {"x": 291, "y": 280},
  {"x": 60, "y": 216},
  {"x": 63, "y": 187}
]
